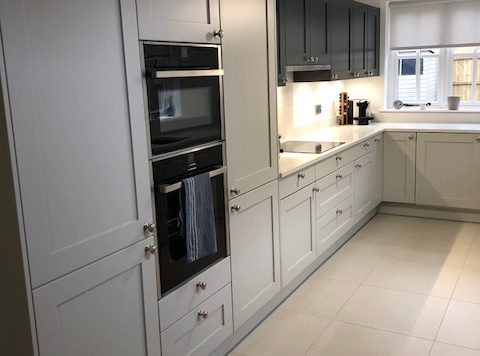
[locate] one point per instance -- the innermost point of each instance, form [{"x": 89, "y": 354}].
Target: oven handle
[
  {"x": 168, "y": 188},
  {"x": 186, "y": 73}
]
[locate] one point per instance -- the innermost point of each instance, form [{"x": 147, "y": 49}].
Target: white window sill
[{"x": 432, "y": 111}]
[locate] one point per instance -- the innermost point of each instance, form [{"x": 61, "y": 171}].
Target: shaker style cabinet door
[
  {"x": 373, "y": 41},
  {"x": 341, "y": 38},
  {"x": 254, "y": 250},
  {"x": 196, "y": 21},
  {"x": 75, "y": 91},
  {"x": 399, "y": 167},
  {"x": 365, "y": 184},
  {"x": 250, "y": 93},
  {"x": 448, "y": 170},
  {"x": 108, "y": 308}
]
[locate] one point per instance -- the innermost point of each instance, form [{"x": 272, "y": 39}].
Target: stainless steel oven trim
[
  {"x": 182, "y": 44},
  {"x": 183, "y": 151},
  {"x": 186, "y": 73},
  {"x": 168, "y": 188}
]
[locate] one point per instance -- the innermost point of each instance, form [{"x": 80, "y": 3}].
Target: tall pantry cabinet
[
  {"x": 72, "y": 80},
  {"x": 249, "y": 56}
]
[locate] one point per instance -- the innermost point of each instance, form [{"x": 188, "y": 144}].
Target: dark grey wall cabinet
[
  {"x": 341, "y": 38},
  {"x": 359, "y": 46},
  {"x": 373, "y": 41}
]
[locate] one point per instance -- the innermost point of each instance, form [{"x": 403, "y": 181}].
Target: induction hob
[{"x": 308, "y": 146}]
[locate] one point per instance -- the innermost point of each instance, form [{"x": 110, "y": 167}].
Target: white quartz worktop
[{"x": 352, "y": 134}]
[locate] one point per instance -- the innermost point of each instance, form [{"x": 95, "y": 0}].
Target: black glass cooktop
[{"x": 308, "y": 146}]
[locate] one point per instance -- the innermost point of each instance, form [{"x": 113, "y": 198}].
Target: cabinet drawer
[
  {"x": 182, "y": 300},
  {"x": 195, "y": 334},
  {"x": 341, "y": 159},
  {"x": 296, "y": 181},
  {"x": 333, "y": 189},
  {"x": 331, "y": 226}
]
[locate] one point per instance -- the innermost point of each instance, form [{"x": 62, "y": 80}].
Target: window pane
[
  {"x": 429, "y": 75},
  {"x": 462, "y": 75},
  {"x": 407, "y": 66}
]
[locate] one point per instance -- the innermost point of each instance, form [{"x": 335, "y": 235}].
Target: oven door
[
  {"x": 174, "y": 268},
  {"x": 184, "y": 109}
]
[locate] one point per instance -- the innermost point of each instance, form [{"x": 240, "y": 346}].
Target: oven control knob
[
  {"x": 202, "y": 285},
  {"x": 150, "y": 249},
  {"x": 149, "y": 228}
]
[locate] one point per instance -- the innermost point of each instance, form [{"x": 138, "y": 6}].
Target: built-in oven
[
  {"x": 169, "y": 199},
  {"x": 183, "y": 85}
]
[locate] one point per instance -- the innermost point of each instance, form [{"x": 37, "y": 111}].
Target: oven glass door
[
  {"x": 174, "y": 268},
  {"x": 183, "y": 112}
]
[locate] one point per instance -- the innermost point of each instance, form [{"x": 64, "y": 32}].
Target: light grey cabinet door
[
  {"x": 250, "y": 93},
  {"x": 448, "y": 170},
  {"x": 365, "y": 184},
  {"x": 298, "y": 244},
  {"x": 255, "y": 256},
  {"x": 179, "y": 20},
  {"x": 399, "y": 150},
  {"x": 75, "y": 91},
  {"x": 108, "y": 308}
]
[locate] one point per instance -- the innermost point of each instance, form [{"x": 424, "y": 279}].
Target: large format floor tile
[
  {"x": 434, "y": 280},
  {"x": 461, "y": 325},
  {"x": 284, "y": 332},
  {"x": 440, "y": 349},
  {"x": 404, "y": 313},
  {"x": 468, "y": 287},
  {"x": 320, "y": 296},
  {"x": 342, "y": 339}
]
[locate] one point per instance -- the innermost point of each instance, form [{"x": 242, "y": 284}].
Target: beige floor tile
[
  {"x": 342, "y": 339},
  {"x": 434, "y": 280},
  {"x": 440, "y": 349},
  {"x": 441, "y": 231},
  {"x": 461, "y": 325},
  {"x": 431, "y": 252},
  {"x": 284, "y": 332},
  {"x": 472, "y": 261},
  {"x": 468, "y": 287},
  {"x": 351, "y": 265},
  {"x": 320, "y": 296},
  {"x": 405, "y": 313}
]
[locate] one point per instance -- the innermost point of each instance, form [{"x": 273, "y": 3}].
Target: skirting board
[
  {"x": 268, "y": 308},
  {"x": 430, "y": 212}
]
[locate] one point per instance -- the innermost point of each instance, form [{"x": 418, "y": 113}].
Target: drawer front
[
  {"x": 331, "y": 226},
  {"x": 296, "y": 181},
  {"x": 195, "y": 334},
  {"x": 176, "y": 304},
  {"x": 365, "y": 147},
  {"x": 333, "y": 163},
  {"x": 333, "y": 189}
]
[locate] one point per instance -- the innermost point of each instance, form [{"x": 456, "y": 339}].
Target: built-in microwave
[{"x": 183, "y": 85}]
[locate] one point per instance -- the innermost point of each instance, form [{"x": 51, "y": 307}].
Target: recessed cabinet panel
[
  {"x": 319, "y": 46},
  {"x": 297, "y": 32},
  {"x": 182, "y": 21},
  {"x": 75, "y": 90},
  {"x": 359, "y": 44},
  {"x": 297, "y": 235},
  {"x": 341, "y": 36},
  {"x": 365, "y": 179},
  {"x": 250, "y": 93},
  {"x": 448, "y": 170},
  {"x": 373, "y": 41},
  {"x": 254, "y": 240},
  {"x": 399, "y": 151},
  {"x": 108, "y": 308}
]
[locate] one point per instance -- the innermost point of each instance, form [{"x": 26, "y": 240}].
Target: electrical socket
[{"x": 318, "y": 109}]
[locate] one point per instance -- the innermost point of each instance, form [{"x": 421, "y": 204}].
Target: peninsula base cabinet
[
  {"x": 255, "y": 257},
  {"x": 399, "y": 149},
  {"x": 448, "y": 170},
  {"x": 297, "y": 232},
  {"x": 108, "y": 308}
]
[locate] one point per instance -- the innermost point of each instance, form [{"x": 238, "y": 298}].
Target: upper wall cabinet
[
  {"x": 76, "y": 101},
  {"x": 196, "y": 21},
  {"x": 366, "y": 40},
  {"x": 341, "y": 38},
  {"x": 373, "y": 41}
]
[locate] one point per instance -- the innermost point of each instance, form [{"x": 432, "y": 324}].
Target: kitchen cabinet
[
  {"x": 79, "y": 129},
  {"x": 359, "y": 44},
  {"x": 378, "y": 141},
  {"x": 255, "y": 255},
  {"x": 399, "y": 151},
  {"x": 250, "y": 93},
  {"x": 106, "y": 308},
  {"x": 340, "y": 18},
  {"x": 448, "y": 170},
  {"x": 194, "y": 21},
  {"x": 365, "y": 184},
  {"x": 373, "y": 41},
  {"x": 297, "y": 233}
]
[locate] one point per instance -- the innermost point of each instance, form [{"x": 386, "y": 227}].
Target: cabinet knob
[
  {"x": 477, "y": 139},
  {"x": 410, "y": 137},
  {"x": 339, "y": 176},
  {"x": 218, "y": 33},
  {"x": 316, "y": 189},
  {"x": 377, "y": 140},
  {"x": 339, "y": 158},
  {"x": 339, "y": 212},
  {"x": 315, "y": 58},
  {"x": 202, "y": 285},
  {"x": 150, "y": 249},
  {"x": 235, "y": 191},
  {"x": 307, "y": 59},
  {"x": 236, "y": 208},
  {"x": 203, "y": 314},
  {"x": 149, "y": 228},
  {"x": 366, "y": 144},
  {"x": 284, "y": 80},
  {"x": 301, "y": 175},
  {"x": 358, "y": 165}
]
